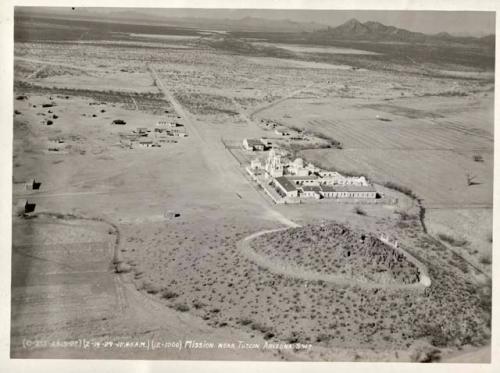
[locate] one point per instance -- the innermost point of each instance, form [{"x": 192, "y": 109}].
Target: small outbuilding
[
  {"x": 29, "y": 207},
  {"x": 254, "y": 145}
]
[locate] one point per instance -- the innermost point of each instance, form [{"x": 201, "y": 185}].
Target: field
[
  {"x": 176, "y": 243},
  {"x": 439, "y": 147}
]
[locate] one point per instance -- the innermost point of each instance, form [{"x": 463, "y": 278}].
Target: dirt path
[
  {"x": 278, "y": 101},
  {"x": 217, "y": 157},
  {"x": 133, "y": 100},
  {"x": 183, "y": 113}
]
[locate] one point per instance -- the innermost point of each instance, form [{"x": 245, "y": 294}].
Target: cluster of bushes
[
  {"x": 400, "y": 188},
  {"x": 331, "y": 141},
  {"x": 358, "y": 210},
  {"x": 204, "y": 104},
  {"x": 458, "y": 242}
]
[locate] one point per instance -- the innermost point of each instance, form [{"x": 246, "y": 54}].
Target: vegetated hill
[
  {"x": 378, "y": 32},
  {"x": 336, "y": 249},
  {"x": 231, "y": 44}
]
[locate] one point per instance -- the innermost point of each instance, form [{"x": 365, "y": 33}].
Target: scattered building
[
  {"x": 29, "y": 207},
  {"x": 167, "y": 124},
  {"x": 179, "y": 131},
  {"x": 254, "y": 145},
  {"x": 33, "y": 185},
  {"x": 282, "y": 131},
  {"x": 142, "y": 131},
  {"x": 146, "y": 143},
  {"x": 55, "y": 140}
]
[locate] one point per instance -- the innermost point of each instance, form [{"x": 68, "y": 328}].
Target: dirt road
[{"x": 278, "y": 101}]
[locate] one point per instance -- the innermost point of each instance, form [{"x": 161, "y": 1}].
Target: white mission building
[{"x": 294, "y": 181}]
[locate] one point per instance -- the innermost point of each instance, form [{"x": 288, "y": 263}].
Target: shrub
[
  {"x": 197, "y": 304},
  {"x": 151, "y": 288},
  {"x": 452, "y": 241},
  {"x": 403, "y": 215},
  {"x": 490, "y": 237},
  {"x": 119, "y": 121},
  {"x": 322, "y": 337},
  {"x": 122, "y": 268},
  {"x": 268, "y": 335},
  {"x": 485, "y": 259},
  {"x": 167, "y": 294},
  {"x": 400, "y": 188},
  {"x": 358, "y": 210},
  {"x": 260, "y": 327},
  {"x": 245, "y": 321},
  {"x": 181, "y": 307}
]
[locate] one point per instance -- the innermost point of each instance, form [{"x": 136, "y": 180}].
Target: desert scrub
[
  {"x": 485, "y": 259},
  {"x": 400, "y": 188},
  {"x": 151, "y": 288},
  {"x": 452, "y": 240},
  {"x": 181, "y": 307},
  {"x": 168, "y": 294},
  {"x": 358, "y": 210}
]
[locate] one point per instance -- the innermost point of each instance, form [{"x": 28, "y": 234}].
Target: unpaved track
[
  {"x": 218, "y": 158},
  {"x": 278, "y": 101}
]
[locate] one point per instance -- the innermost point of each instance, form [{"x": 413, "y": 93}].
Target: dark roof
[
  {"x": 286, "y": 184},
  {"x": 254, "y": 142}
]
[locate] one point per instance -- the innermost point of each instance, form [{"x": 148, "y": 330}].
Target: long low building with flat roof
[{"x": 348, "y": 191}]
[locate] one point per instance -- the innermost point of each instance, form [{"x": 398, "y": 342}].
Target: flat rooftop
[{"x": 347, "y": 188}]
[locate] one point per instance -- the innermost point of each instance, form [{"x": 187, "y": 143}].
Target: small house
[
  {"x": 282, "y": 131},
  {"x": 29, "y": 207},
  {"x": 254, "y": 145},
  {"x": 33, "y": 185},
  {"x": 146, "y": 143}
]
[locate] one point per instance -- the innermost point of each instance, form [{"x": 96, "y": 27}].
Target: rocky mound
[{"x": 333, "y": 249}]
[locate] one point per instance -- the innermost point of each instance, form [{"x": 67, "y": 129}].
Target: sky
[{"x": 431, "y": 22}]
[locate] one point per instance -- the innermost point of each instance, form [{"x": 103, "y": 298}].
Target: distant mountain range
[
  {"x": 352, "y": 30},
  {"x": 249, "y": 24},
  {"x": 378, "y": 32}
]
